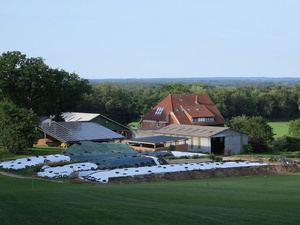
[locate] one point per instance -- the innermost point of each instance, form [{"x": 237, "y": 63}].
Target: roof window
[
  {"x": 177, "y": 110},
  {"x": 197, "y": 109},
  {"x": 188, "y": 109},
  {"x": 181, "y": 99},
  {"x": 159, "y": 110}
]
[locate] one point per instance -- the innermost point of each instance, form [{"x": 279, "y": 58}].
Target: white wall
[{"x": 234, "y": 142}]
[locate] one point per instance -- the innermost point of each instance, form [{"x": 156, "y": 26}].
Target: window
[
  {"x": 203, "y": 119},
  {"x": 159, "y": 110}
]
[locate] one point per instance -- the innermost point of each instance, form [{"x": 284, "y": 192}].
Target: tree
[
  {"x": 260, "y": 133},
  {"x": 30, "y": 83},
  {"x": 294, "y": 128},
  {"x": 17, "y": 127}
]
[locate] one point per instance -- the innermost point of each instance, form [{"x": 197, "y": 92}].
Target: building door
[{"x": 218, "y": 145}]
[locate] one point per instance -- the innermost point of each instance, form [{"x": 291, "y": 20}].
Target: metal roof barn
[{"x": 73, "y": 132}]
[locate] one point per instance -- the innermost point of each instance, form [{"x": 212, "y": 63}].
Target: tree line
[
  {"x": 30, "y": 89},
  {"x": 130, "y": 103}
]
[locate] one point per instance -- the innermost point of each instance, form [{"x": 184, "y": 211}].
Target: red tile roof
[{"x": 181, "y": 108}]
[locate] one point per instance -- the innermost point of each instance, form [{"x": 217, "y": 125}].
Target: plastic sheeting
[
  {"x": 32, "y": 161},
  {"x": 94, "y": 147},
  {"x": 103, "y": 176}
]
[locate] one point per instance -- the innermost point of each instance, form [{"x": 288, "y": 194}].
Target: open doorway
[{"x": 218, "y": 145}]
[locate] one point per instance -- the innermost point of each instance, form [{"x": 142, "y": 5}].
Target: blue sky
[{"x": 157, "y": 38}]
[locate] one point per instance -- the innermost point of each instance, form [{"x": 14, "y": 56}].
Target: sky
[{"x": 105, "y": 39}]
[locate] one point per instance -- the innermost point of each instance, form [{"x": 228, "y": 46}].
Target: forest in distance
[
  {"x": 211, "y": 81},
  {"x": 273, "y": 99}
]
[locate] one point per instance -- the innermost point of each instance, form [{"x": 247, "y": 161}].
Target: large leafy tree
[
  {"x": 17, "y": 127},
  {"x": 260, "y": 133},
  {"x": 255, "y": 125},
  {"x": 30, "y": 83}
]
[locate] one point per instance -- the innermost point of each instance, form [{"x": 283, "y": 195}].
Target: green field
[
  {"x": 280, "y": 128},
  {"x": 244, "y": 200},
  {"x": 35, "y": 151}
]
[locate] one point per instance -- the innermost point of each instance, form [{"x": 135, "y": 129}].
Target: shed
[
  {"x": 158, "y": 143},
  {"x": 67, "y": 133},
  {"x": 208, "y": 139},
  {"x": 95, "y": 118}
]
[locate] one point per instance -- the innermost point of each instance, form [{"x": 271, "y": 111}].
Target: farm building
[
  {"x": 67, "y": 133},
  {"x": 208, "y": 139},
  {"x": 158, "y": 143},
  {"x": 96, "y": 118},
  {"x": 190, "y": 109}
]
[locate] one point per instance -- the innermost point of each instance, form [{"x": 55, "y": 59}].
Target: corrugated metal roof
[
  {"x": 78, "y": 131},
  {"x": 191, "y": 130},
  {"x": 80, "y": 117},
  {"x": 157, "y": 139}
]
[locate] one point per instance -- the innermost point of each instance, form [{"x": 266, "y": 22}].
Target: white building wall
[{"x": 234, "y": 142}]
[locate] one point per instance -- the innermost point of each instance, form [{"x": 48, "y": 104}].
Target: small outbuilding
[
  {"x": 158, "y": 143},
  {"x": 208, "y": 139}
]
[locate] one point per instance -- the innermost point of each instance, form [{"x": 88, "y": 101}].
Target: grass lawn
[
  {"x": 36, "y": 150},
  {"x": 244, "y": 200},
  {"x": 280, "y": 128}
]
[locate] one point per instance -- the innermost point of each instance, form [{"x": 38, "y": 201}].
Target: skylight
[{"x": 159, "y": 110}]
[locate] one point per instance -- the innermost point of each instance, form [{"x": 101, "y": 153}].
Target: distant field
[
  {"x": 280, "y": 128},
  {"x": 243, "y": 200}
]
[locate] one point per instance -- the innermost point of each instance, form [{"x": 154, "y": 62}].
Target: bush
[
  {"x": 258, "y": 144},
  {"x": 169, "y": 157},
  {"x": 219, "y": 158},
  {"x": 212, "y": 156},
  {"x": 280, "y": 144},
  {"x": 195, "y": 157},
  {"x": 182, "y": 157},
  {"x": 247, "y": 149},
  {"x": 287, "y": 144}
]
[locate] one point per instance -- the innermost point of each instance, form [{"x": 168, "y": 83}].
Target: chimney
[
  {"x": 50, "y": 120},
  {"x": 197, "y": 99}
]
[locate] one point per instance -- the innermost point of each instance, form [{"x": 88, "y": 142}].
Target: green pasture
[
  {"x": 280, "y": 128},
  {"x": 243, "y": 200},
  {"x": 35, "y": 151}
]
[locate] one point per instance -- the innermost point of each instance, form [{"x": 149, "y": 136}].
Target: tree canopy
[
  {"x": 294, "y": 128},
  {"x": 17, "y": 127},
  {"x": 30, "y": 83},
  {"x": 260, "y": 133}
]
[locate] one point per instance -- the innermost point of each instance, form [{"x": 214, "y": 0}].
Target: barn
[
  {"x": 68, "y": 133},
  {"x": 207, "y": 139}
]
